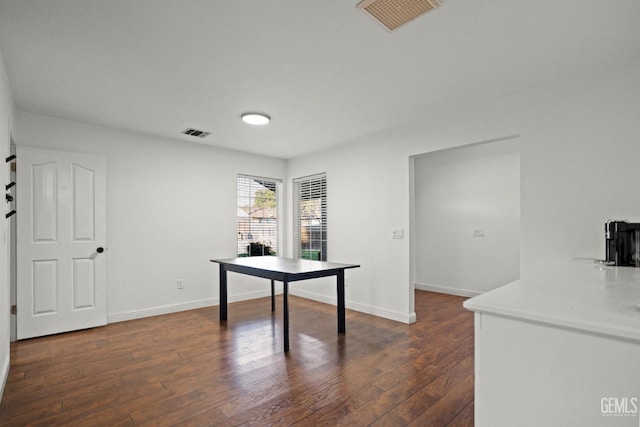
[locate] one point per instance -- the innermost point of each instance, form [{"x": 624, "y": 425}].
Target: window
[
  {"x": 310, "y": 217},
  {"x": 257, "y": 216}
]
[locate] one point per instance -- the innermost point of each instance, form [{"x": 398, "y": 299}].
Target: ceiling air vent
[
  {"x": 196, "y": 132},
  {"x": 394, "y": 13}
]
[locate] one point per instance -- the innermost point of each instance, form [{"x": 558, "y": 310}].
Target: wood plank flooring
[{"x": 188, "y": 369}]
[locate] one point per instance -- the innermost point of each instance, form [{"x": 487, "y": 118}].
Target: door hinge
[
  {"x": 13, "y": 166},
  {"x": 14, "y": 309}
]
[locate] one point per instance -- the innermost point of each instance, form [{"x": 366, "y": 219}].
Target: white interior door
[{"x": 61, "y": 224}]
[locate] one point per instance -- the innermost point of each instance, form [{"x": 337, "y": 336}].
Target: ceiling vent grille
[
  {"x": 394, "y": 13},
  {"x": 195, "y": 132}
]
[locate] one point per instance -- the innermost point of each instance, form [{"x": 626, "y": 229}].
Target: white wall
[
  {"x": 171, "y": 207},
  {"x": 6, "y": 123},
  {"x": 458, "y": 192},
  {"x": 580, "y": 145}
]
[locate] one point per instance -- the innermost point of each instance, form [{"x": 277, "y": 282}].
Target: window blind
[
  {"x": 310, "y": 217},
  {"x": 257, "y": 215}
]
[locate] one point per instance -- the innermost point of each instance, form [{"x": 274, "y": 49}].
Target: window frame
[
  {"x": 241, "y": 227},
  {"x": 315, "y": 185}
]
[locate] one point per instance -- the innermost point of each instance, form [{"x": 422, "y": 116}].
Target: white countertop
[{"x": 579, "y": 294}]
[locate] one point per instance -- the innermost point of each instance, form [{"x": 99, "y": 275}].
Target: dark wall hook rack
[
  {"x": 11, "y": 157},
  {"x": 13, "y": 212}
]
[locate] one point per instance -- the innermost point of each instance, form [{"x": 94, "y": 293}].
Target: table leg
[
  {"x": 285, "y": 298},
  {"x": 273, "y": 296},
  {"x": 223, "y": 293},
  {"x": 341, "y": 308}
]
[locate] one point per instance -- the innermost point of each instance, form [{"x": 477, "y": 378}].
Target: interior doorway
[{"x": 466, "y": 217}]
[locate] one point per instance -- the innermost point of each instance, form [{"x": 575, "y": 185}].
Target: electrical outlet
[{"x": 180, "y": 284}]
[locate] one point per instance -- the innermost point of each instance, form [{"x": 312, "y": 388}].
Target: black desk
[{"x": 284, "y": 270}]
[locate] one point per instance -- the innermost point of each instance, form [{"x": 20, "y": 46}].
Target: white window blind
[
  {"x": 310, "y": 217},
  {"x": 257, "y": 216}
]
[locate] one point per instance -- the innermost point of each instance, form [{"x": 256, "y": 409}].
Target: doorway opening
[{"x": 465, "y": 205}]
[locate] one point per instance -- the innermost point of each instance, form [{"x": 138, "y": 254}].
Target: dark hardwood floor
[{"x": 187, "y": 369}]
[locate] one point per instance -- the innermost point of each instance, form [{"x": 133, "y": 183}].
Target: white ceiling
[{"x": 324, "y": 71}]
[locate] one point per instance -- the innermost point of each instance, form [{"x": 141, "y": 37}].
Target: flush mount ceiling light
[{"x": 256, "y": 119}]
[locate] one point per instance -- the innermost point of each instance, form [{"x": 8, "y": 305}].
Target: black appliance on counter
[{"x": 622, "y": 240}]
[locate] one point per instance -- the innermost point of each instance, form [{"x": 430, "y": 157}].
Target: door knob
[{"x": 100, "y": 249}]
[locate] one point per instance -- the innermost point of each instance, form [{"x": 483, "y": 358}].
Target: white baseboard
[
  {"x": 251, "y": 295},
  {"x": 376, "y": 311},
  {"x": 447, "y": 290},
  {"x": 4, "y": 374},
  {"x": 157, "y": 311},
  {"x": 191, "y": 305}
]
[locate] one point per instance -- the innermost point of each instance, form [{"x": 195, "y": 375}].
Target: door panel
[
  {"x": 45, "y": 287},
  {"x": 44, "y": 208},
  {"x": 83, "y": 283},
  {"x": 83, "y": 204},
  {"x": 61, "y": 278}
]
